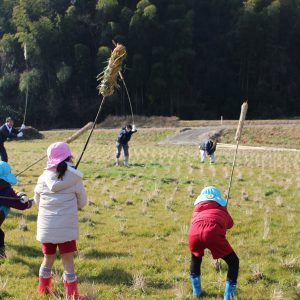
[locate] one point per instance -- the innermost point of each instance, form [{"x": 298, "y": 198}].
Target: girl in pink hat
[{"x": 59, "y": 193}]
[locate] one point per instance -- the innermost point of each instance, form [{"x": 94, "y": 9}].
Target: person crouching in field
[
  {"x": 122, "y": 142},
  {"x": 19, "y": 201},
  {"x": 208, "y": 147},
  {"x": 210, "y": 221},
  {"x": 59, "y": 194}
]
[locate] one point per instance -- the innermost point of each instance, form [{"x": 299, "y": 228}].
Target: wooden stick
[
  {"x": 69, "y": 140},
  {"x": 238, "y": 135}
]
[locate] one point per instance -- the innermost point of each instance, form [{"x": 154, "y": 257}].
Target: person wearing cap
[
  {"x": 11, "y": 199},
  {"x": 209, "y": 223},
  {"x": 208, "y": 147},
  {"x": 122, "y": 142},
  {"x": 59, "y": 194},
  {"x": 7, "y": 131}
]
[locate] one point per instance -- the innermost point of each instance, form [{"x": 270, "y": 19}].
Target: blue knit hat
[
  {"x": 211, "y": 193},
  {"x": 5, "y": 173}
]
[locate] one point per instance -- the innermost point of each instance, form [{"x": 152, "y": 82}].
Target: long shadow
[
  {"x": 159, "y": 285},
  {"x": 138, "y": 165},
  {"x": 29, "y": 217},
  {"x": 34, "y": 268},
  {"x": 102, "y": 255},
  {"x": 4, "y": 295},
  {"x": 27, "y": 250},
  {"x": 113, "y": 276}
]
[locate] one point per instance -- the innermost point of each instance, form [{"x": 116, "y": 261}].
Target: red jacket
[{"x": 211, "y": 212}]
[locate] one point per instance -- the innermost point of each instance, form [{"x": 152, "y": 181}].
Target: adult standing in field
[
  {"x": 7, "y": 131},
  {"x": 122, "y": 142},
  {"x": 208, "y": 147}
]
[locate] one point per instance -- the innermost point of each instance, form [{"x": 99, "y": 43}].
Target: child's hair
[
  {"x": 62, "y": 167},
  {"x": 129, "y": 126}
]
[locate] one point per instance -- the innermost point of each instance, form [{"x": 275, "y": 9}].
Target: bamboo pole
[
  {"x": 68, "y": 141},
  {"x": 238, "y": 135}
]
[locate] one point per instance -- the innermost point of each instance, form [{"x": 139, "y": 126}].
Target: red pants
[
  {"x": 67, "y": 247},
  {"x": 208, "y": 236}
]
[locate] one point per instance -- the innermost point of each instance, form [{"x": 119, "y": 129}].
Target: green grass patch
[{"x": 133, "y": 241}]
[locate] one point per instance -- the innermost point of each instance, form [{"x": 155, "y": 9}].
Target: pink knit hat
[{"x": 57, "y": 153}]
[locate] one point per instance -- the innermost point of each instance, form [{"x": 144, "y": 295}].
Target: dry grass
[{"x": 148, "y": 240}]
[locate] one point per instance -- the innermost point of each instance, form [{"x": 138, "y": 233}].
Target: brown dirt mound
[
  {"x": 140, "y": 121},
  {"x": 30, "y": 133}
]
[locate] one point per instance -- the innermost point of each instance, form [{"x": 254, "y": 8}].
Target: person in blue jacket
[
  {"x": 208, "y": 147},
  {"x": 7, "y": 131},
  {"x": 122, "y": 142}
]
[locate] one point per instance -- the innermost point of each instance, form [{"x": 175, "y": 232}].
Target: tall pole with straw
[
  {"x": 108, "y": 82},
  {"x": 27, "y": 85},
  {"x": 238, "y": 135}
]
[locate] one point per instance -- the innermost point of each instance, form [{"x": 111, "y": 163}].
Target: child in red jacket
[{"x": 210, "y": 221}]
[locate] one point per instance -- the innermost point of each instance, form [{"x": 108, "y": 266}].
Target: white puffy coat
[{"x": 58, "y": 202}]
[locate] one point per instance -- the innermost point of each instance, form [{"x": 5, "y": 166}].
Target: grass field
[
  {"x": 285, "y": 135},
  {"x": 133, "y": 241}
]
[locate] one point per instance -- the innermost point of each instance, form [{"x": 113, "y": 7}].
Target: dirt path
[{"x": 194, "y": 135}]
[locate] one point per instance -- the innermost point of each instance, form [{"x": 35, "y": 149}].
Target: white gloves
[
  {"x": 24, "y": 197},
  {"x": 133, "y": 128},
  {"x": 22, "y": 127},
  {"x": 20, "y": 134}
]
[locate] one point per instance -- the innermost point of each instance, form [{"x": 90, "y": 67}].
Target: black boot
[
  {"x": 2, "y": 252},
  {"x": 2, "y": 247}
]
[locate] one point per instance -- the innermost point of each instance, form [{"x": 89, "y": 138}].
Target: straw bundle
[
  {"x": 78, "y": 133},
  {"x": 244, "y": 109},
  {"x": 108, "y": 78}
]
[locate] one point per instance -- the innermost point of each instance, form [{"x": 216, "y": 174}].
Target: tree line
[{"x": 197, "y": 59}]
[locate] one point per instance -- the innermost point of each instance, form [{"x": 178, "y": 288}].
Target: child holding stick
[
  {"x": 59, "y": 193},
  {"x": 210, "y": 221},
  {"x": 18, "y": 201}
]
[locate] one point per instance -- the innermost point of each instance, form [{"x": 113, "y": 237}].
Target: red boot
[
  {"x": 72, "y": 291},
  {"x": 45, "y": 285}
]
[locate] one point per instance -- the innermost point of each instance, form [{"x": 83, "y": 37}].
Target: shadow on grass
[
  {"x": 102, "y": 255},
  {"x": 34, "y": 268},
  {"x": 138, "y": 165},
  {"x": 113, "y": 276},
  {"x": 27, "y": 250},
  {"x": 159, "y": 285},
  {"x": 19, "y": 214},
  {"x": 4, "y": 295}
]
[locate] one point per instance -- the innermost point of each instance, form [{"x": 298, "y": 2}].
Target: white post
[{"x": 221, "y": 120}]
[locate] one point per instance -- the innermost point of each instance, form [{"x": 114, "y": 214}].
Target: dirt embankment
[{"x": 262, "y": 137}]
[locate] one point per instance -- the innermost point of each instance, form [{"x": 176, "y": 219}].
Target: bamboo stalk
[
  {"x": 108, "y": 81},
  {"x": 238, "y": 135},
  {"x": 69, "y": 140}
]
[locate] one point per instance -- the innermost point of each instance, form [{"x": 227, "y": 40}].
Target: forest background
[{"x": 196, "y": 59}]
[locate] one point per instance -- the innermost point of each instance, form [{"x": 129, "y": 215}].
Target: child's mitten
[{"x": 23, "y": 197}]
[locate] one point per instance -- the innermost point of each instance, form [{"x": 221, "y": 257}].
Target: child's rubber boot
[
  {"x": 196, "y": 286},
  {"x": 45, "y": 286},
  {"x": 229, "y": 292},
  {"x": 72, "y": 291}
]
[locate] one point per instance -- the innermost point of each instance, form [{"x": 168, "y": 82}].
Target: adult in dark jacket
[
  {"x": 210, "y": 222},
  {"x": 7, "y": 131},
  {"x": 122, "y": 142},
  {"x": 19, "y": 201},
  {"x": 208, "y": 147}
]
